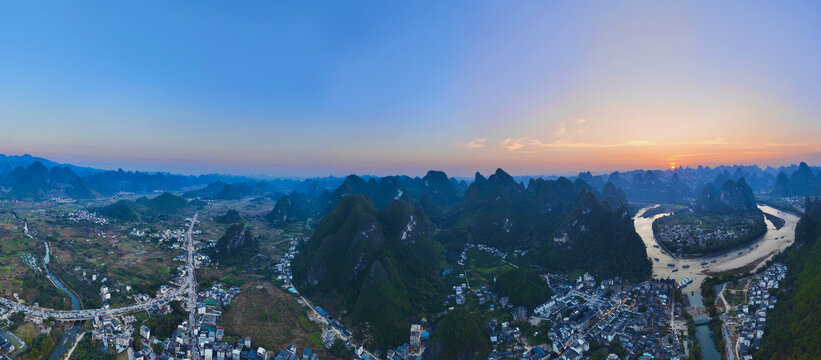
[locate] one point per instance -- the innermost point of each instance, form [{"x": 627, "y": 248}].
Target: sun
[{"x": 673, "y": 165}]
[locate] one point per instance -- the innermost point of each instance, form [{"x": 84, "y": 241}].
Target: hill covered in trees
[
  {"x": 562, "y": 224},
  {"x": 731, "y": 197},
  {"x": 236, "y": 243},
  {"x": 524, "y": 286},
  {"x": 143, "y": 208},
  {"x": 793, "y": 329},
  {"x": 460, "y": 335},
  {"x": 380, "y": 265}
]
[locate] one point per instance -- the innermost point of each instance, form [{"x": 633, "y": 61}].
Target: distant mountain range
[
  {"x": 644, "y": 186},
  {"x": 802, "y": 182},
  {"x": 9, "y": 162}
]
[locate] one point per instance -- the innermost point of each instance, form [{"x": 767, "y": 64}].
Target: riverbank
[{"x": 697, "y": 269}]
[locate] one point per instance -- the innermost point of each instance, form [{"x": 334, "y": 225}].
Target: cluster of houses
[
  {"x": 283, "y": 267},
  {"x": 636, "y": 315},
  {"x": 752, "y": 317},
  {"x": 84, "y": 215},
  {"x": 113, "y": 331},
  {"x": 681, "y": 235},
  {"x": 488, "y": 249}
]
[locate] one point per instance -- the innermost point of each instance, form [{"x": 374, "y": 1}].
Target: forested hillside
[
  {"x": 382, "y": 266},
  {"x": 793, "y": 329}
]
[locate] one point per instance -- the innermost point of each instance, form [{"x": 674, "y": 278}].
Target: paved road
[{"x": 191, "y": 284}]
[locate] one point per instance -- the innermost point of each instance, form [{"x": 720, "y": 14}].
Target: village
[{"x": 746, "y": 308}]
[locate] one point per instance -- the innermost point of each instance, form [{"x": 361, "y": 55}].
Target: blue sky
[{"x": 316, "y": 88}]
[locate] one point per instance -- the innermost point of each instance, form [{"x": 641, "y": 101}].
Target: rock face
[
  {"x": 613, "y": 196},
  {"x": 731, "y": 197},
  {"x": 281, "y": 212},
  {"x": 235, "y": 239},
  {"x": 563, "y": 224},
  {"x": 378, "y": 264}
]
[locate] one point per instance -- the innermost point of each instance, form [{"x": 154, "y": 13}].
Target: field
[
  {"x": 272, "y": 319},
  {"x": 14, "y": 248},
  {"x": 482, "y": 268}
]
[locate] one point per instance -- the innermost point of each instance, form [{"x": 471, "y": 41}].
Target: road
[
  {"x": 86, "y": 314},
  {"x": 192, "y": 290}
]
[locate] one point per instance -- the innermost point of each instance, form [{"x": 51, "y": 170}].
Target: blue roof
[{"x": 306, "y": 352}]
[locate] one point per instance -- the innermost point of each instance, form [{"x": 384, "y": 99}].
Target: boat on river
[
  {"x": 686, "y": 266},
  {"x": 671, "y": 265}
]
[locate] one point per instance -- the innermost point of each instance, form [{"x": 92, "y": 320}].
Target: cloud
[
  {"x": 511, "y": 144},
  {"x": 477, "y": 143},
  {"x": 638, "y": 143},
  {"x": 581, "y": 121},
  {"x": 531, "y": 145},
  {"x": 562, "y": 129}
]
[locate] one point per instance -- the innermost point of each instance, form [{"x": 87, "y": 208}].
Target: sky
[{"x": 314, "y": 88}]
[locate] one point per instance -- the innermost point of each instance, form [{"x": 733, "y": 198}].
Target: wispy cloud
[
  {"x": 530, "y": 145},
  {"x": 562, "y": 129},
  {"x": 477, "y": 143}
]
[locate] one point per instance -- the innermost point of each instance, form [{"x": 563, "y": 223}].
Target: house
[{"x": 145, "y": 332}]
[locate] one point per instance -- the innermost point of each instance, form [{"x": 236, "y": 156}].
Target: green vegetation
[
  {"x": 167, "y": 202},
  {"x": 123, "y": 210},
  {"x": 483, "y": 268},
  {"x": 793, "y": 329},
  {"x": 143, "y": 208},
  {"x": 272, "y": 319},
  {"x": 460, "y": 335},
  {"x": 381, "y": 266},
  {"x": 88, "y": 350},
  {"x": 235, "y": 246},
  {"x": 563, "y": 224},
  {"x": 524, "y": 286},
  {"x": 231, "y": 217},
  {"x": 600, "y": 351},
  {"x": 536, "y": 335},
  {"x": 162, "y": 326},
  {"x": 37, "y": 288},
  {"x": 40, "y": 345}
]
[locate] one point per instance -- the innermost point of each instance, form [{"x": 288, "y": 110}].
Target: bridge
[{"x": 702, "y": 320}]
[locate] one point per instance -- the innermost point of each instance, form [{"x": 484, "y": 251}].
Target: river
[
  {"x": 772, "y": 242},
  {"x": 71, "y": 333}
]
